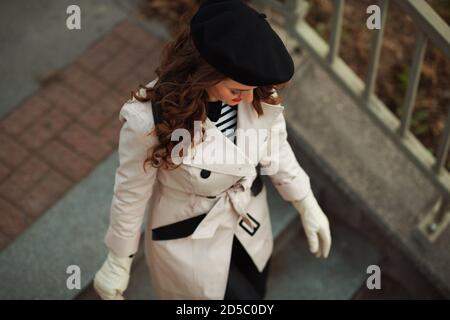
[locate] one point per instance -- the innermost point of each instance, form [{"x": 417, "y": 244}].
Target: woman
[{"x": 208, "y": 235}]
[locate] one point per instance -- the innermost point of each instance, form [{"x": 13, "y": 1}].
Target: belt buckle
[{"x": 252, "y": 232}]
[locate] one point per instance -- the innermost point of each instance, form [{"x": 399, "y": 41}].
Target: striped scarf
[{"x": 224, "y": 118}]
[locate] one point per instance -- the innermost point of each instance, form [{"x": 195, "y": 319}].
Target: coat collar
[
  {"x": 216, "y": 147},
  {"x": 216, "y": 143}
]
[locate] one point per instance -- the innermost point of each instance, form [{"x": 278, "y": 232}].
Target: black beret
[{"x": 239, "y": 42}]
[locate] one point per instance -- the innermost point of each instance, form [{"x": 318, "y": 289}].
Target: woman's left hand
[{"x": 316, "y": 225}]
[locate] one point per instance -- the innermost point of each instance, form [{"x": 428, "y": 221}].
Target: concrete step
[{"x": 297, "y": 274}]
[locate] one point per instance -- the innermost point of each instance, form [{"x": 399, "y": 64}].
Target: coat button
[{"x": 205, "y": 173}]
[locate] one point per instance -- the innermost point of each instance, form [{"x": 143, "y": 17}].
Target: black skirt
[{"x": 245, "y": 282}]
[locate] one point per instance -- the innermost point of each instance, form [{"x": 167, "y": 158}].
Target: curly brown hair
[{"x": 183, "y": 77}]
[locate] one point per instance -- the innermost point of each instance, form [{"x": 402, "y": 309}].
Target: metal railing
[{"x": 431, "y": 27}]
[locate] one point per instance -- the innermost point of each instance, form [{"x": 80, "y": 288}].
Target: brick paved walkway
[{"x": 57, "y": 136}]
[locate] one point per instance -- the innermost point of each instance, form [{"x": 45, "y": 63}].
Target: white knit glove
[
  {"x": 112, "y": 279},
  {"x": 316, "y": 225}
]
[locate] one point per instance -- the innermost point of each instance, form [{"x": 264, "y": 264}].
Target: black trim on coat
[
  {"x": 257, "y": 184},
  {"x": 177, "y": 230},
  {"x": 156, "y": 110}
]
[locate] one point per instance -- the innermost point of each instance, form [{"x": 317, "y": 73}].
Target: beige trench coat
[{"x": 214, "y": 200}]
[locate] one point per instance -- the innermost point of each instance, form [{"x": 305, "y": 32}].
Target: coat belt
[
  {"x": 233, "y": 200},
  {"x": 236, "y": 198}
]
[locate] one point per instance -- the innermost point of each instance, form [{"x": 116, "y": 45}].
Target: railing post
[
  {"x": 413, "y": 82},
  {"x": 374, "y": 55},
  {"x": 443, "y": 147},
  {"x": 336, "y": 28}
]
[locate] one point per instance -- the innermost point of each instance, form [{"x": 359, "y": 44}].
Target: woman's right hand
[{"x": 112, "y": 279}]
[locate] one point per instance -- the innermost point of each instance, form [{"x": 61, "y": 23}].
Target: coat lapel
[
  {"x": 218, "y": 153},
  {"x": 250, "y": 124}
]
